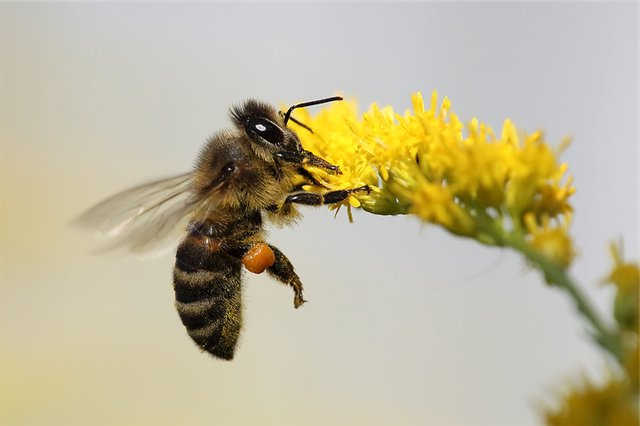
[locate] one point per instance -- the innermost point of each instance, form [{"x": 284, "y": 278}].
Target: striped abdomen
[{"x": 208, "y": 294}]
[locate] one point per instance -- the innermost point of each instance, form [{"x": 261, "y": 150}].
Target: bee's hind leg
[{"x": 282, "y": 270}]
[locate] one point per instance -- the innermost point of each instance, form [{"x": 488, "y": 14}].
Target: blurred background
[{"x": 406, "y": 324}]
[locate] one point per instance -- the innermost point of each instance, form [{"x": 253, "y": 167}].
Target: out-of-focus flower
[
  {"x": 552, "y": 242},
  {"x": 611, "y": 404},
  {"x": 625, "y": 276}
]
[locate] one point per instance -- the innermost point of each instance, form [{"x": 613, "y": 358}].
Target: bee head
[{"x": 265, "y": 128}]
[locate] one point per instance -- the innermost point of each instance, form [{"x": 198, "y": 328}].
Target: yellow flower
[
  {"x": 534, "y": 166},
  {"x": 553, "y": 196},
  {"x": 587, "y": 404},
  {"x": 433, "y": 204},
  {"x": 551, "y": 241},
  {"x": 632, "y": 367},
  {"x": 626, "y": 278},
  {"x": 427, "y": 162},
  {"x": 334, "y": 139},
  {"x": 506, "y": 190}
]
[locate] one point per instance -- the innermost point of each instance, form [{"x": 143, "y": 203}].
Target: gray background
[{"x": 406, "y": 324}]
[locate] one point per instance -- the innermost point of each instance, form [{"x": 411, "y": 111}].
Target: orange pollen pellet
[{"x": 258, "y": 258}]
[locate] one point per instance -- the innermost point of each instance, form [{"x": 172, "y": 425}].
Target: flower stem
[{"x": 556, "y": 274}]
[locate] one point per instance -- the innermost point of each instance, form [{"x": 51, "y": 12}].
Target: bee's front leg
[
  {"x": 317, "y": 199},
  {"x": 306, "y": 157}
]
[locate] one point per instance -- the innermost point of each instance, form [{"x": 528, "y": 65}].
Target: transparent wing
[{"x": 145, "y": 218}]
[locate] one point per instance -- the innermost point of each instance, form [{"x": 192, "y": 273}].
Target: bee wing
[{"x": 143, "y": 218}]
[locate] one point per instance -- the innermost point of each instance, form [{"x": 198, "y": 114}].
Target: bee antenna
[
  {"x": 300, "y": 124},
  {"x": 287, "y": 115}
]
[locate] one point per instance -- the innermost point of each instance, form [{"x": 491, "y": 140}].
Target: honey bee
[{"x": 243, "y": 177}]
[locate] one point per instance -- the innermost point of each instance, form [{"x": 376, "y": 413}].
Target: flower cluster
[
  {"x": 587, "y": 403},
  {"x": 464, "y": 178},
  {"x": 505, "y": 190}
]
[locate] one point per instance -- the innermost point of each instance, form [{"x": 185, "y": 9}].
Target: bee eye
[
  {"x": 266, "y": 129},
  {"x": 227, "y": 169}
]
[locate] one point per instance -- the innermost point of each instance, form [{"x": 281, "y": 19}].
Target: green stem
[{"x": 556, "y": 274}]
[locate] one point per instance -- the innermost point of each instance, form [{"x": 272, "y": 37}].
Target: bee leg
[
  {"x": 296, "y": 157},
  {"x": 309, "y": 177},
  {"x": 282, "y": 270},
  {"x": 306, "y": 157},
  {"x": 316, "y": 199}
]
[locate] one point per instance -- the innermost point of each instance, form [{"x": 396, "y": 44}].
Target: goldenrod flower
[
  {"x": 432, "y": 204},
  {"x": 508, "y": 190},
  {"x": 551, "y": 241},
  {"x": 588, "y": 404},
  {"x": 427, "y": 162},
  {"x": 632, "y": 368},
  {"x": 625, "y": 276}
]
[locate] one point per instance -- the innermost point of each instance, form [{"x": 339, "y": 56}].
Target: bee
[{"x": 243, "y": 177}]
